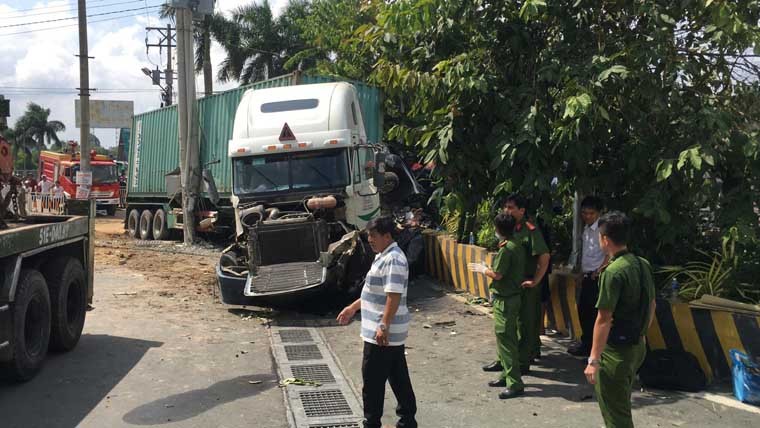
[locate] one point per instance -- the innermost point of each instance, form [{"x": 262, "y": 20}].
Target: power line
[
  {"x": 71, "y": 89},
  {"x": 55, "y": 7},
  {"x": 75, "y": 17},
  {"x": 49, "y": 12},
  {"x": 70, "y": 25}
]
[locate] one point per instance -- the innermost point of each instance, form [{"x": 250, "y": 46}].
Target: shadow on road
[
  {"x": 71, "y": 385},
  {"x": 189, "y": 404}
]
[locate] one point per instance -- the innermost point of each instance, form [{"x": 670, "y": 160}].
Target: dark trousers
[
  {"x": 381, "y": 364},
  {"x": 587, "y": 309}
]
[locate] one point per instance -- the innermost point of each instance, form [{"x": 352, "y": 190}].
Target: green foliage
[
  {"x": 651, "y": 104},
  {"x": 258, "y": 45},
  {"x": 715, "y": 275},
  {"x": 33, "y": 132},
  {"x": 486, "y": 231},
  {"x": 327, "y": 31}
]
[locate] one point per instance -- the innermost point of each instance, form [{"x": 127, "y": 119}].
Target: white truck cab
[
  {"x": 304, "y": 183},
  {"x": 304, "y": 139}
]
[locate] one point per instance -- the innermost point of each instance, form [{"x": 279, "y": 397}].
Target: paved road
[
  {"x": 152, "y": 360},
  {"x": 452, "y": 391}
]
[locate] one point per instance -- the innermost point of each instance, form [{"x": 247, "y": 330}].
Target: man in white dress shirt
[{"x": 592, "y": 261}]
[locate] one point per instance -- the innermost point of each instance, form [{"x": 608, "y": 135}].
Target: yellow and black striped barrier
[{"x": 708, "y": 334}]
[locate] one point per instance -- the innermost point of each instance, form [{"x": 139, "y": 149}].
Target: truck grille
[
  {"x": 284, "y": 277},
  {"x": 101, "y": 193}
]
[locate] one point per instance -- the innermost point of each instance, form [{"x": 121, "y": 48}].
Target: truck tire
[
  {"x": 160, "y": 226},
  {"x": 146, "y": 225},
  {"x": 31, "y": 327},
  {"x": 68, "y": 301},
  {"x": 133, "y": 223}
]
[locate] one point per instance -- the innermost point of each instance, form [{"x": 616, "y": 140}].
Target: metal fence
[{"x": 42, "y": 203}]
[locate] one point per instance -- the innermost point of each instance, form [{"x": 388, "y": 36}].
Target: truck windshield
[
  {"x": 101, "y": 174},
  {"x": 290, "y": 171}
]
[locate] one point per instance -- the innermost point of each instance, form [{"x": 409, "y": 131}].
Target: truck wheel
[
  {"x": 68, "y": 301},
  {"x": 31, "y": 327},
  {"x": 160, "y": 226},
  {"x": 133, "y": 223},
  {"x": 146, "y": 225}
]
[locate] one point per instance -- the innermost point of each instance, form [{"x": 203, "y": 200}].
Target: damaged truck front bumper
[{"x": 283, "y": 282}]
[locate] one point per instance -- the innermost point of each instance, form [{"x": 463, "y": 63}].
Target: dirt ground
[{"x": 167, "y": 264}]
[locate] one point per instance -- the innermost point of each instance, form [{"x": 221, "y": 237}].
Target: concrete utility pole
[
  {"x": 84, "y": 90},
  {"x": 188, "y": 131},
  {"x": 169, "y": 72},
  {"x": 167, "y": 41}
]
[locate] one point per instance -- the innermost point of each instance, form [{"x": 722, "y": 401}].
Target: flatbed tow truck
[{"x": 46, "y": 282}]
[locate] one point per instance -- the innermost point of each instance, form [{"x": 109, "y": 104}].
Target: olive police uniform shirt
[
  {"x": 510, "y": 263},
  {"x": 531, "y": 239},
  {"x": 620, "y": 288}
]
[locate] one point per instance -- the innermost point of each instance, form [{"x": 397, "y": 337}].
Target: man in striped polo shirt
[{"x": 385, "y": 324}]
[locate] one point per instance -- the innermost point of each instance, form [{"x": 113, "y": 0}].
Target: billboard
[{"x": 108, "y": 114}]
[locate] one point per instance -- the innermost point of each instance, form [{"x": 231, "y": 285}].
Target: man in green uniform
[
  {"x": 507, "y": 274},
  {"x": 626, "y": 304},
  {"x": 536, "y": 265}
]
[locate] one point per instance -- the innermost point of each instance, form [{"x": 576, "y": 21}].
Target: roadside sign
[
  {"x": 83, "y": 192},
  {"x": 107, "y": 114},
  {"x": 84, "y": 178}
]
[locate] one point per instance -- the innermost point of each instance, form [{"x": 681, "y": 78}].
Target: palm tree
[
  {"x": 257, "y": 44},
  {"x": 34, "y": 131},
  {"x": 202, "y": 38},
  {"x": 34, "y": 124}
]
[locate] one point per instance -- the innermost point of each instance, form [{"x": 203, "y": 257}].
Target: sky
[{"x": 38, "y": 62}]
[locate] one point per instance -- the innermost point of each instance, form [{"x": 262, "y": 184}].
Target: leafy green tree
[
  {"x": 652, "y": 104},
  {"x": 327, "y": 31}
]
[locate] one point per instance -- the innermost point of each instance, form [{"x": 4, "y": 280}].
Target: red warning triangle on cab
[{"x": 286, "y": 134}]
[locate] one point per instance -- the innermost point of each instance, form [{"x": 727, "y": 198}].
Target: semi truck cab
[{"x": 305, "y": 182}]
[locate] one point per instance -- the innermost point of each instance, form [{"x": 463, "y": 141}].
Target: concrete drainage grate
[
  {"x": 290, "y": 336},
  {"x": 348, "y": 425},
  {"x": 315, "y": 373},
  {"x": 302, "y": 352},
  {"x": 330, "y": 402}
]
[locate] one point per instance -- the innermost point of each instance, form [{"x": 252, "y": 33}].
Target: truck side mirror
[{"x": 378, "y": 178}]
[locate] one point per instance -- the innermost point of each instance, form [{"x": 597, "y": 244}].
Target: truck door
[{"x": 364, "y": 203}]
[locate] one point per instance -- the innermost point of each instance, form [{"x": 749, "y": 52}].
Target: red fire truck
[{"x": 64, "y": 167}]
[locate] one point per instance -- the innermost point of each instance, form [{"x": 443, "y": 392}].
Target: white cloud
[{"x": 46, "y": 59}]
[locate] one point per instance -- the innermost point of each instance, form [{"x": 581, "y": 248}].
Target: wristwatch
[
  {"x": 382, "y": 327},
  {"x": 593, "y": 361}
]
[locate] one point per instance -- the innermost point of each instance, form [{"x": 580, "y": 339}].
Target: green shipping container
[{"x": 154, "y": 148}]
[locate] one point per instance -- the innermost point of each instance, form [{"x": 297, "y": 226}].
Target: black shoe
[
  {"x": 579, "y": 351},
  {"x": 510, "y": 393},
  {"x": 524, "y": 370},
  {"x": 498, "y": 383},
  {"x": 493, "y": 367}
]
